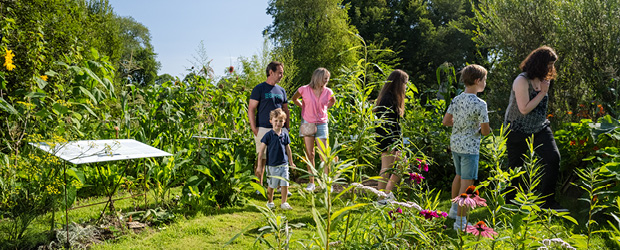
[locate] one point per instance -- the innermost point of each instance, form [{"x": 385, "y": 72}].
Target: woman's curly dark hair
[{"x": 536, "y": 65}]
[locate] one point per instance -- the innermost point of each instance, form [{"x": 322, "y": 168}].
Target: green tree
[
  {"x": 584, "y": 33},
  {"x": 138, "y": 56},
  {"x": 423, "y": 34},
  {"x": 315, "y": 32}
]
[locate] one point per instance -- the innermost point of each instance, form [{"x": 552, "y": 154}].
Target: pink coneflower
[
  {"x": 443, "y": 214},
  {"x": 464, "y": 200},
  {"x": 475, "y": 195},
  {"x": 481, "y": 229},
  {"x": 417, "y": 177},
  {"x": 422, "y": 165}
]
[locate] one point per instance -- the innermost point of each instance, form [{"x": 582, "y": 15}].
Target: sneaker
[
  {"x": 453, "y": 212},
  {"x": 271, "y": 205},
  {"x": 285, "y": 206},
  {"x": 390, "y": 197},
  {"x": 310, "y": 187},
  {"x": 553, "y": 205}
]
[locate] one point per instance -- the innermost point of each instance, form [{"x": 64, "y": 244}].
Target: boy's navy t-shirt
[
  {"x": 269, "y": 98},
  {"x": 276, "y": 147}
]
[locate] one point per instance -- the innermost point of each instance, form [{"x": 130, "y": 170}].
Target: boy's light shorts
[
  {"x": 466, "y": 165},
  {"x": 259, "y": 136},
  {"x": 281, "y": 171}
]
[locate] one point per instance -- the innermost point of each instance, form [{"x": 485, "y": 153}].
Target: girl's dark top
[
  {"x": 534, "y": 121},
  {"x": 389, "y": 130}
]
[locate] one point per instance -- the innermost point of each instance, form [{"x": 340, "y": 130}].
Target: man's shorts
[
  {"x": 466, "y": 165},
  {"x": 281, "y": 171},
  {"x": 261, "y": 132}
]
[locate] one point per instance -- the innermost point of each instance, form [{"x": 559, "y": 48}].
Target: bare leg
[
  {"x": 464, "y": 184},
  {"x": 284, "y": 190},
  {"x": 309, "y": 143},
  {"x": 456, "y": 186},
  {"x": 387, "y": 160},
  {"x": 270, "y": 194},
  {"x": 394, "y": 179}
]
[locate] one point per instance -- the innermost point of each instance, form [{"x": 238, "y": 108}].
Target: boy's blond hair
[
  {"x": 277, "y": 113},
  {"x": 471, "y": 73}
]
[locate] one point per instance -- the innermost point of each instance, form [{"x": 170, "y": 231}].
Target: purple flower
[
  {"x": 416, "y": 177},
  {"x": 391, "y": 216},
  {"x": 444, "y": 214},
  {"x": 429, "y": 214},
  {"x": 422, "y": 165}
]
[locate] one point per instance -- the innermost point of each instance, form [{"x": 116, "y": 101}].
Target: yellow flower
[
  {"x": 8, "y": 59},
  {"x": 44, "y": 77}
]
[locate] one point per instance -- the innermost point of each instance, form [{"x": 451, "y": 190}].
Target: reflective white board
[{"x": 90, "y": 151}]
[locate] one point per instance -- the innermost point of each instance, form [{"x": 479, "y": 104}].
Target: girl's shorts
[{"x": 322, "y": 132}]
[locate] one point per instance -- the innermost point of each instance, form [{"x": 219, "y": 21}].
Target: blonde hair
[
  {"x": 471, "y": 73},
  {"x": 277, "y": 113},
  {"x": 317, "y": 77}
]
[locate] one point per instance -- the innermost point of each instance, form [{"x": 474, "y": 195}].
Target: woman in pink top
[{"x": 316, "y": 97}]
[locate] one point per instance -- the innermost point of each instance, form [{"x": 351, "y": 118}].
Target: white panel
[{"x": 89, "y": 151}]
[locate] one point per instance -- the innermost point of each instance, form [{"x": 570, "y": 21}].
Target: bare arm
[
  {"x": 261, "y": 151},
  {"x": 289, "y": 152},
  {"x": 252, "y": 116},
  {"x": 521, "y": 87},
  {"x": 485, "y": 129},
  {"x": 331, "y": 102},
  {"x": 288, "y": 115},
  {"x": 296, "y": 100},
  {"x": 448, "y": 120}
]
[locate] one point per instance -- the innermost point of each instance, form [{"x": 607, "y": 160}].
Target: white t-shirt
[{"x": 468, "y": 112}]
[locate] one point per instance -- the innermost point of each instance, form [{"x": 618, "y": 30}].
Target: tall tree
[
  {"x": 138, "y": 56},
  {"x": 424, "y": 34},
  {"x": 584, "y": 33},
  {"x": 315, "y": 31}
]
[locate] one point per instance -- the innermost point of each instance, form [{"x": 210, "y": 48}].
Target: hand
[
  {"x": 255, "y": 131},
  {"x": 292, "y": 165},
  {"x": 544, "y": 86}
]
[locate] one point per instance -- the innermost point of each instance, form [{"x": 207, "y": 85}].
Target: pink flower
[
  {"x": 422, "y": 165},
  {"x": 480, "y": 202},
  {"x": 400, "y": 211},
  {"x": 481, "y": 229},
  {"x": 464, "y": 200},
  {"x": 429, "y": 214},
  {"x": 417, "y": 177}
]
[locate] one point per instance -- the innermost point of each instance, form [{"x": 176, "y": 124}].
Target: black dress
[{"x": 389, "y": 129}]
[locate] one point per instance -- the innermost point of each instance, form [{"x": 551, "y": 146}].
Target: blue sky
[{"x": 229, "y": 29}]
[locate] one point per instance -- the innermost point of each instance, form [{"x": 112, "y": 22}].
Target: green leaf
[
  {"x": 92, "y": 75},
  {"x": 40, "y": 82},
  {"x": 60, "y": 109},
  {"x": 90, "y": 95},
  {"x": 339, "y": 212},
  {"x": 7, "y": 107}
]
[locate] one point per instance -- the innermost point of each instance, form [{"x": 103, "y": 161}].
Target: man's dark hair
[{"x": 273, "y": 66}]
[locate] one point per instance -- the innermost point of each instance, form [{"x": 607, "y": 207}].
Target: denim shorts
[
  {"x": 280, "y": 171},
  {"x": 322, "y": 132},
  {"x": 466, "y": 165}
]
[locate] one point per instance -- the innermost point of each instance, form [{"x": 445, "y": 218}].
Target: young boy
[
  {"x": 468, "y": 116},
  {"x": 279, "y": 156}
]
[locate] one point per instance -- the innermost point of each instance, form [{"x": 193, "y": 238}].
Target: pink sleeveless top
[{"x": 314, "y": 110}]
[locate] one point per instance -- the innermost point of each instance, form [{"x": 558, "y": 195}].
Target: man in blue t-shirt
[{"x": 266, "y": 97}]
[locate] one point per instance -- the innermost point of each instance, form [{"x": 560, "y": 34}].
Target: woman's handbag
[{"x": 307, "y": 129}]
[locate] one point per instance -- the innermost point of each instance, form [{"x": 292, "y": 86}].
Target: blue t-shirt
[
  {"x": 276, "y": 147},
  {"x": 269, "y": 98}
]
